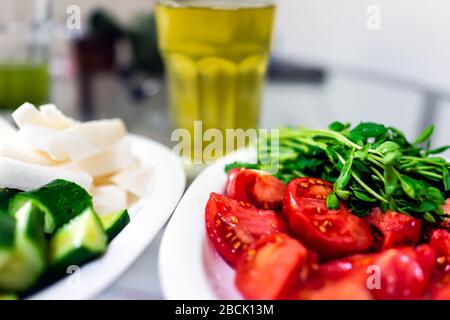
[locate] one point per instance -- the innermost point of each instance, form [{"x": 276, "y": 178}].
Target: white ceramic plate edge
[{"x": 187, "y": 269}]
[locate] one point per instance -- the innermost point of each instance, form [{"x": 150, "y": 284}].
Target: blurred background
[{"x": 348, "y": 60}]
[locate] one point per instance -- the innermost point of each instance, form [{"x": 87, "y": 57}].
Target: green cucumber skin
[
  {"x": 28, "y": 257},
  {"x": 117, "y": 225},
  {"x": 76, "y": 257},
  {"x": 7, "y": 234},
  {"x": 62, "y": 200},
  {"x": 6, "y": 195},
  {"x": 59, "y": 269},
  {"x": 34, "y": 229},
  {"x": 7, "y": 231}
]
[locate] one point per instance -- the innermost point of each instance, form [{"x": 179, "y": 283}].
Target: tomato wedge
[
  {"x": 233, "y": 225},
  {"x": 405, "y": 273},
  {"x": 440, "y": 286},
  {"x": 440, "y": 241},
  {"x": 307, "y": 188},
  {"x": 393, "y": 229},
  {"x": 256, "y": 187},
  {"x": 338, "y": 269},
  {"x": 344, "y": 278},
  {"x": 331, "y": 233},
  {"x": 272, "y": 267},
  {"x": 352, "y": 287}
]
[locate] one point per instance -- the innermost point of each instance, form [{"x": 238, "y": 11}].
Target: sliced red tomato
[
  {"x": 393, "y": 229},
  {"x": 344, "y": 278},
  {"x": 440, "y": 286},
  {"x": 233, "y": 225},
  {"x": 398, "y": 273},
  {"x": 331, "y": 233},
  {"x": 446, "y": 206},
  {"x": 272, "y": 267},
  {"x": 405, "y": 273},
  {"x": 440, "y": 241},
  {"x": 337, "y": 269},
  {"x": 351, "y": 287},
  {"x": 256, "y": 187},
  {"x": 446, "y": 223},
  {"x": 307, "y": 188}
]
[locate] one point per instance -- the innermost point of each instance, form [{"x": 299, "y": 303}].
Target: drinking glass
[
  {"x": 24, "y": 52},
  {"x": 215, "y": 54}
]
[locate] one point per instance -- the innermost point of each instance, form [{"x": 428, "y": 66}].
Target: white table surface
[{"x": 141, "y": 281}]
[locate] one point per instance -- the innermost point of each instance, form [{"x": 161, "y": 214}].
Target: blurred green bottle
[{"x": 24, "y": 59}]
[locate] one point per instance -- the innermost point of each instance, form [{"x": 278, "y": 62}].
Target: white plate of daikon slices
[{"x": 119, "y": 170}]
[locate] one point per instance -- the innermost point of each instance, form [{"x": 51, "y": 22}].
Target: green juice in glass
[{"x": 22, "y": 82}]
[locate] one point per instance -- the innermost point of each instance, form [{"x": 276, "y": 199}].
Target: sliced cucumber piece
[
  {"x": 114, "y": 222},
  {"x": 78, "y": 241},
  {"x": 6, "y": 195},
  {"x": 28, "y": 259},
  {"x": 61, "y": 201},
  {"x": 7, "y": 230}
]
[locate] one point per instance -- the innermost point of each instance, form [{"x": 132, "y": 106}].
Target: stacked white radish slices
[{"x": 96, "y": 155}]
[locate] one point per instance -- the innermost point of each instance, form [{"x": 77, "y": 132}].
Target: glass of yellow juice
[{"x": 216, "y": 53}]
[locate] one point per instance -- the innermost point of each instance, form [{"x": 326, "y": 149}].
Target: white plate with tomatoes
[{"x": 282, "y": 242}]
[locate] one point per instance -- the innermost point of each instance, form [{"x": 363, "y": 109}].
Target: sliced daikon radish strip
[
  {"x": 25, "y": 153},
  {"x": 28, "y": 114},
  {"x": 43, "y": 139},
  {"x": 137, "y": 181},
  {"x": 103, "y": 133},
  {"x": 26, "y": 176},
  {"x": 59, "y": 120},
  {"x": 109, "y": 198},
  {"x": 87, "y": 139},
  {"x": 8, "y": 133},
  {"x": 109, "y": 161},
  {"x": 131, "y": 201},
  {"x": 102, "y": 181},
  {"x": 75, "y": 145}
]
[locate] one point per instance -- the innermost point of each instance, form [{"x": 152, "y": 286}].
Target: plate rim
[{"x": 166, "y": 266}]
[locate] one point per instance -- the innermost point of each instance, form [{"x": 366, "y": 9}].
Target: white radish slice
[
  {"x": 43, "y": 139},
  {"x": 25, "y": 153},
  {"x": 136, "y": 181},
  {"x": 28, "y": 114},
  {"x": 58, "y": 120},
  {"x": 26, "y": 176},
  {"x": 109, "y": 161},
  {"x": 7, "y": 132},
  {"x": 109, "y": 198},
  {"x": 102, "y": 133},
  {"x": 74, "y": 145},
  {"x": 84, "y": 140}
]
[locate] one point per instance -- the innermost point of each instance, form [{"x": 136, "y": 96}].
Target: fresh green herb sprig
[{"x": 370, "y": 165}]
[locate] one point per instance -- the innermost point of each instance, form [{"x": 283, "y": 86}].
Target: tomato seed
[
  {"x": 304, "y": 185},
  {"x": 441, "y": 260}
]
